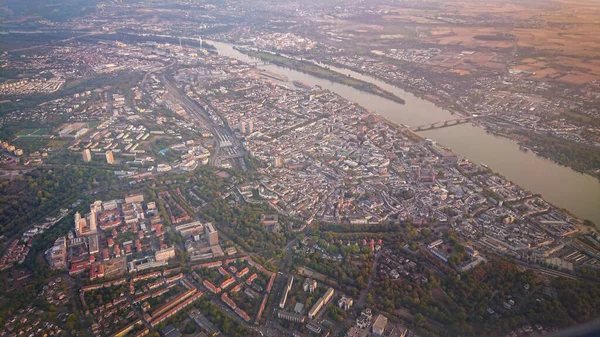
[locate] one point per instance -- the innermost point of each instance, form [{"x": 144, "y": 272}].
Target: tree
[
  {"x": 71, "y": 322},
  {"x": 419, "y": 319},
  {"x": 190, "y": 328}
]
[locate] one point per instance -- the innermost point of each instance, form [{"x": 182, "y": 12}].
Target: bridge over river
[{"x": 442, "y": 124}]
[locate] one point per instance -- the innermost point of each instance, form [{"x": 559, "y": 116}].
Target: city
[{"x": 203, "y": 169}]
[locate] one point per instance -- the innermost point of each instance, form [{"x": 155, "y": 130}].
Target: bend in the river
[{"x": 562, "y": 186}]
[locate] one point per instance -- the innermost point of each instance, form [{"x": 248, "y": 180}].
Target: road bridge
[
  {"x": 259, "y": 63},
  {"x": 443, "y": 124}
]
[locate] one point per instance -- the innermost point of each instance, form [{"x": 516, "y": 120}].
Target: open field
[{"x": 556, "y": 39}]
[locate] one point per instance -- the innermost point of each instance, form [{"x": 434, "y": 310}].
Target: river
[{"x": 562, "y": 186}]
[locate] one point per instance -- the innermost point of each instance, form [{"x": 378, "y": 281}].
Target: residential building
[
  {"x": 110, "y": 157},
  {"x": 286, "y": 290},
  {"x": 345, "y": 303},
  {"x": 320, "y": 303},
  {"x": 309, "y": 285},
  {"x": 87, "y": 155}
]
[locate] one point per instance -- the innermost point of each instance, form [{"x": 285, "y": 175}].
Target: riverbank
[
  {"x": 581, "y": 158},
  {"x": 578, "y": 157},
  {"x": 321, "y": 72},
  {"x": 417, "y": 93},
  {"x": 559, "y": 185}
]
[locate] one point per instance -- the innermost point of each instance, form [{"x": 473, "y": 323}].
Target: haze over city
[{"x": 298, "y": 168}]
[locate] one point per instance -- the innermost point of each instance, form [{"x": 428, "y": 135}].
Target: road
[
  {"x": 363, "y": 295},
  {"x": 362, "y": 298}
]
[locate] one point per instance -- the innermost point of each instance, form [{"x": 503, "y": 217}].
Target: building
[
  {"x": 314, "y": 327},
  {"x": 211, "y": 286},
  {"x": 190, "y": 229},
  {"x": 109, "y": 157},
  {"x": 87, "y": 155},
  {"x": 345, "y": 303},
  {"x": 246, "y": 127},
  {"x": 93, "y": 244},
  {"x": 171, "y": 331},
  {"x": 227, "y": 283},
  {"x": 83, "y": 227},
  {"x": 96, "y": 271},
  {"x": 320, "y": 303},
  {"x": 398, "y": 331},
  {"x": 289, "y": 316},
  {"x": 357, "y": 332},
  {"x": 225, "y": 298},
  {"x": 435, "y": 243},
  {"x": 362, "y": 321},
  {"x": 204, "y": 323},
  {"x": 134, "y": 198},
  {"x": 137, "y": 265},
  {"x": 242, "y": 272},
  {"x": 379, "y": 325},
  {"x": 299, "y": 308},
  {"x": 93, "y": 222},
  {"x": 278, "y": 161},
  {"x": 57, "y": 254},
  {"x": 177, "y": 305},
  {"x": 211, "y": 234},
  {"x": 271, "y": 222},
  {"x": 286, "y": 290},
  {"x": 309, "y": 285},
  {"x": 165, "y": 254}
]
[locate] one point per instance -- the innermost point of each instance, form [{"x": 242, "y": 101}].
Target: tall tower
[
  {"x": 109, "y": 157},
  {"x": 211, "y": 233},
  {"x": 87, "y": 155},
  {"x": 243, "y": 127},
  {"x": 250, "y": 127},
  {"x": 77, "y": 223},
  {"x": 93, "y": 228}
]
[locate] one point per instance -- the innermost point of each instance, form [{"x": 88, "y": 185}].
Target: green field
[
  {"x": 93, "y": 124},
  {"x": 33, "y": 132}
]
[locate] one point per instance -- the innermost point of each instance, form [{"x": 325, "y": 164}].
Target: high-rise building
[
  {"x": 93, "y": 228},
  {"x": 109, "y": 157},
  {"x": 211, "y": 234},
  {"x": 250, "y": 127},
  {"x": 81, "y": 225},
  {"x": 87, "y": 155},
  {"x": 77, "y": 223},
  {"x": 243, "y": 128}
]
